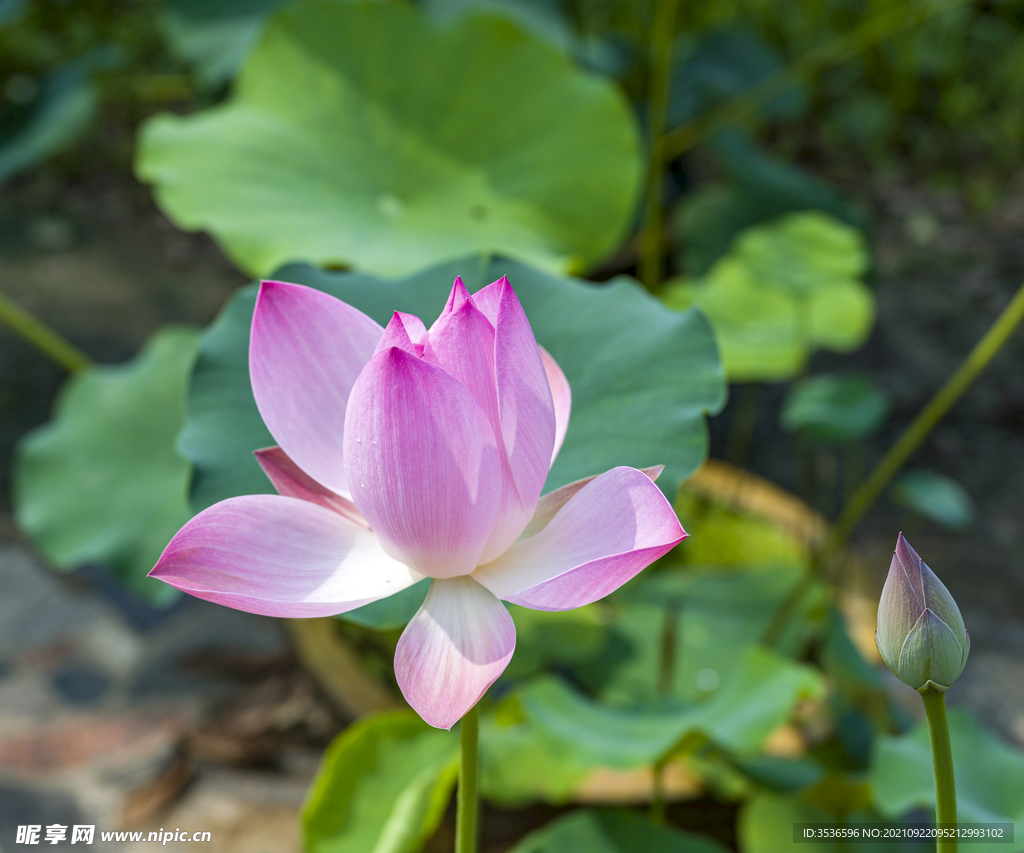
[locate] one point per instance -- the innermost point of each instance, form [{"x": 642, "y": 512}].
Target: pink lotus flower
[{"x": 407, "y": 453}]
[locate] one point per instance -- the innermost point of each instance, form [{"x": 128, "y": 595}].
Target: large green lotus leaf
[
  {"x": 760, "y": 188},
  {"x": 784, "y": 290},
  {"x": 383, "y": 785},
  {"x": 612, "y": 832},
  {"x": 519, "y": 767},
  {"x": 935, "y": 496},
  {"x": 556, "y": 639},
  {"x": 989, "y": 777},
  {"x": 214, "y": 36},
  {"x": 544, "y": 19},
  {"x": 720, "y": 614},
  {"x": 835, "y": 408},
  {"x": 730, "y": 538},
  {"x": 755, "y": 699},
  {"x": 765, "y": 824},
  {"x": 365, "y": 135},
  {"x": 642, "y": 377},
  {"x": 101, "y": 482},
  {"x": 803, "y": 252}
]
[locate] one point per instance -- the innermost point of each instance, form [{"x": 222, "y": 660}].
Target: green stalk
[
  {"x": 744, "y": 422},
  {"x": 926, "y": 420},
  {"x": 875, "y": 30},
  {"x": 467, "y": 804},
  {"x": 656, "y": 813},
  {"x": 49, "y": 342},
  {"x": 942, "y": 763},
  {"x": 657, "y": 108},
  {"x": 869, "y": 490}
]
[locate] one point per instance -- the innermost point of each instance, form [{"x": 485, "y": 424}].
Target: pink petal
[
  {"x": 549, "y": 505},
  {"x": 305, "y": 352},
  {"x": 462, "y": 342},
  {"x": 454, "y": 648},
  {"x": 405, "y": 331},
  {"x": 488, "y": 299},
  {"x": 280, "y": 556},
  {"x": 292, "y": 482},
  {"x": 456, "y": 298},
  {"x": 561, "y": 395},
  {"x": 423, "y": 463},
  {"x": 526, "y": 411},
  {"x": 611, "y": 529}
]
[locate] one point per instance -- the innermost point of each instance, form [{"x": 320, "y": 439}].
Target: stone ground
[{"x": 115, "y": 715}]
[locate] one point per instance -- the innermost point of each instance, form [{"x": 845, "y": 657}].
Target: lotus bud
[{"x": 921, "y": 634}]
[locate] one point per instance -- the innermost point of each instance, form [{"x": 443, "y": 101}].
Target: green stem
[
  {"x": 467, "y": 805},
  {"x": 42, "y": 337},
  {"x": 744, "y": 422},
  {"x": 894, "y": 19},
  {"x": 667, "y": 656},
  {"x": 942, "y": 763},
  {"x": 657, "y": 109},
  {"x": 926, "y": 420},
  {"x": 789, "y": 607},
  {"x": 657, "y": 810}
]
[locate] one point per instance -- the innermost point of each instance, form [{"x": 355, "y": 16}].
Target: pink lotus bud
[{"x": 921, "y": 634}]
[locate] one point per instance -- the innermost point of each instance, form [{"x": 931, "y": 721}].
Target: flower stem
[
  {"x": 49, "y": 342},
  {"x": 467, "y": 806},
  {"x": 927, "y": 419},
  {"x": 657, "y": 108},
  {"x": 942, "y": 763},
  {"x": 656, "y": 812}
]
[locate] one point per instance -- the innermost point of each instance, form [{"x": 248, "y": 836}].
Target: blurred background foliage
[{"x": 374, "y": 150}]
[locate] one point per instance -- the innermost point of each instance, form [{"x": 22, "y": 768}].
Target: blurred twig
[
  {"x": 745, "y": 107},
  {"x": 45, "y": 339},
  {"x": 337, "y": 669},
  {"x": 921, "y": 427},
  {"x": 657, "y": 109}
]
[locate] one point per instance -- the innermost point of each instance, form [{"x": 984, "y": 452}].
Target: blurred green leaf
[
  {"x": 835, "y": 408},
  {"x": 383, "y": 785},
  {"x": 612, "y": 832},
  {"x": 518, "y": 767},
  {"x": 835, "y": 802},
  {"x": 934, "y": 496},
  {"x": 391, "y": 613},
  {"x": 101, "y": 482},
  {"x": 729, "y": 538},
  {"x": 541, "y": 18},
  {"x": 721, "y": 612},
  {"x": 755, "y": 699},
  {"x": 642, "y": 377},
  {"x": 714, "y": 67},
  {"x": 336, "y": 148},
  {"x": 11, "y": 11},
  {"x": 785, "y": 289},
  {"x": 557, "y": 639},
  {"x": 759, "y": 188},
  {"x": 780, "y": 774},
  {"x": 214, "y": 36},
  {"x": 989, "y": 776},
  {"x": 765, "y": 824},
  {"x": 50, "y": 121}
]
